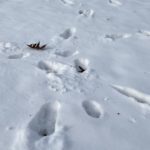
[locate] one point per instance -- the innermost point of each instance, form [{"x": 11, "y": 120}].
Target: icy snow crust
[{"x": 89, "y": 89}]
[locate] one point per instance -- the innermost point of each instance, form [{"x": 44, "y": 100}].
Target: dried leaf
[{"x": 37, "y": 46}]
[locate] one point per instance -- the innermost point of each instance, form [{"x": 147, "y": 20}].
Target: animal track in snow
[
  {"x": 7, "y": 47},
  {"x": 92, "y": 108},
  {"x": 67, "y": 48},
  {"x": 114, "y": 2},
  {"x": 81, "y": 64},
  {"x": 18, "y": 55},
  {"x": 52, "y": 67},
  {"x": 68, "y": 33},
  {"x": 58, "y": 40},
  {"x": 114, "y": 37},
  {"x": 132, "y": 120},
  {"x": 135, "y": 94},
  {"x": 43, "y": 131},
  {"x": 87, "y": 12},
  {"x": 64, "y": 77},
  {"x": 68, "y": 2},
  {"x": 143, "y": 34},
  {"x": 44, "y": 123},
  {"x": 66, "y": 53}
]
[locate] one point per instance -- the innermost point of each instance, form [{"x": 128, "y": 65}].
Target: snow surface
[{"x": 89, "y": 89}]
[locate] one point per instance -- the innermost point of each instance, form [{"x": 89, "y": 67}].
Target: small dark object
[
  {"x": 81, "y": 69},
  {"x": 37, "y": 46},
  {"x": 118, "y": 113},
  {"x": 43, "y": 132},
  {"x": 80, "y": 12}
]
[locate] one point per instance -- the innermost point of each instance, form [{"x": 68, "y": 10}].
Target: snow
[
  {"x": 88, "y": 89},
  {"x": 92, "y": 108},
  {"x": 140, "y": 97}
]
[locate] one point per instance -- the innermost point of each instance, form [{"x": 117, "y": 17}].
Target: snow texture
[{"x": 88, "y": 89}]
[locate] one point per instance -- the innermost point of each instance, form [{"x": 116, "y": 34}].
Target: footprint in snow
[
  {"x": 66, "y": 53},
  {"x": 68, "y": 33},
  {"x": 18, "y": 56},
  {"x": 92, "y": 108},
  {"x": 138, "y": 96},
  {"x": 44, "y": 123},
  {"x": 53, "y": 67},
  {"x": 64, "y": 77},
  {"x": 132, "y": 120},
  {"x": 114, "y": 37},
  {"x": 143, "y": 34},
  {"x": 81, "y": 64},
  {"x": 68, "y": 2},
  {"x": 15, "y": 56},
  {"x": 86, "y": 12},
  {"x": 8, "y": 47},
  {"x": 12, "y": 50},
  {"x": 57, "y": 41},
  {"x": 67, "y": 48},
  {"x": 43, "y": 131},
  {"x": 115, "y": 3}
]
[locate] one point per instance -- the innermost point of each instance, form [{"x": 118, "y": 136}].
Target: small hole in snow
[
  {"x": 118, "y": 113},
  {"x": 80, "y": 69},
  {"x": 80, "y": 12},
  {"x": 43, "y": 132}
]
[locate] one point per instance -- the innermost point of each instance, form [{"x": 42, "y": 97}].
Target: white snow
[
  {"x": 115, "y": 2},
  {"x": 89, "y": 89},
  {"x": 92, "y": 108},
  {"x": 139, "y": 96},
  {"x": 81, "y": 64},
  {"x": 54, "y": 67}
]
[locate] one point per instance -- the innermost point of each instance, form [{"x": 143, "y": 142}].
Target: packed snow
[{"x": 88, "y": 89}]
